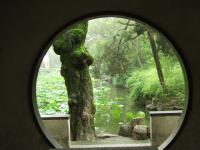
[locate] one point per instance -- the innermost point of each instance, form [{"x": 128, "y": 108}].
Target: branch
[
  {"x": 120, "y": 40},
  {"x": 133, "y": 38},
  {"x": 126, "y": 23}
]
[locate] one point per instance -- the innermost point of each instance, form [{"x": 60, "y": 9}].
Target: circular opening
[{"x": 111, "y": 81}]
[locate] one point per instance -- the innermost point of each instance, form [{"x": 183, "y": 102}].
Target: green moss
[
  {"x": 79, "y": 52},
  {"x": 71, "y": 38},
  {"x": 80, "y": 55},
  {"x": 76, "y": 36},
  {"x": 83, "y": 25}
]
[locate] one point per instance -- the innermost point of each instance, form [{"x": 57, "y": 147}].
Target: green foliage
[
  {"x": 51, "y": 93},
  {"x": 52, "y": 99},
  {"x": 70, "y": 37},
  {"x": 105, "y": 41},
  {"x": 164, "y": 46},
  {"x": 110, "y": 108},
  {"x": 128, "y": 62},
  {"x": 140, "y": 114},
  {"x": 80, "y": 55},
  {"x": 119, "y": 80},
  {"x": 144, "y": 84},
  {"x": 131, "y": 115},
  {"x": 108, "y": 111},
  {"x": 139, "y": 29}
]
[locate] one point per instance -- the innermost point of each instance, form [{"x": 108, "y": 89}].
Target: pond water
[{"x": 114, "y": 107}]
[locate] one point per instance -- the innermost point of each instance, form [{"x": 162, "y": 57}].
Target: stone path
[{"x": 117, "y": 141}]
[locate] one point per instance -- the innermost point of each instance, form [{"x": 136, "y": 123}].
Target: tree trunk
[
  {"x": 75, "y": 70},
  {"x": 156, "y": 59},
  {"x": 138, "y": 54}
]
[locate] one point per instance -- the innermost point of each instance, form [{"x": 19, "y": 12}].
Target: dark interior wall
[{"x": 27, "y": 26}]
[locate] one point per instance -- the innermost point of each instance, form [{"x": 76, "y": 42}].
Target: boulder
[
  {"x": 136, "y": 121},
  {"x": 141, "y": 132},
  {"x": 125, "y": 130}
]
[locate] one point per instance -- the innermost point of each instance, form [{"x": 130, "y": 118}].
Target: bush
[{"x": 144, "y": 83}]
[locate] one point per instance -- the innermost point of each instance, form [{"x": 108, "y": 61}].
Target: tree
[
  {"x": 75, "y": 61},
  {"x": 156, "y": 58},
  {"x": 139, "y": 29}
]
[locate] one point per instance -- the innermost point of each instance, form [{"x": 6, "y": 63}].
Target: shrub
[{"x": 144, "y": 83}]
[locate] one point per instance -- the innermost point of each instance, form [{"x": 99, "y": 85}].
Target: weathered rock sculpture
[
  {"x": 75, "y": 61},
  {"x": 135, "y": 129}
]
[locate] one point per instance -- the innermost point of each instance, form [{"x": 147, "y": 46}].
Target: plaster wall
[
  {"x": 162, "y": 127},
  {"x": 59, "y": 130},
  {"x": 27, "y": 27}
]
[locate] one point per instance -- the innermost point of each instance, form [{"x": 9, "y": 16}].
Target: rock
[
  {"x": 177, "y": 108},
  {"x": 151, "y": 107},
  {"x": 160, "y": 107},
  {"x": 136, "y": 121},
  {"x": 142, "y": 129},
  {"x": 173, "y": 102},
  {"x": 125, "y": 130},
  {"x": 141, "y": 132}
]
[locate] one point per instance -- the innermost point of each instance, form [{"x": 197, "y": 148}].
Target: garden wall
[
  {"x": 162, "y": 124},
  {"x": 58, "y": 127}
]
